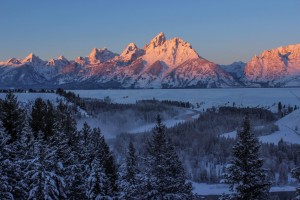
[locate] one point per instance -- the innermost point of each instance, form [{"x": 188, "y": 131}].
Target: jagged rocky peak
[
  {"x": 157, "y": 40},
  {"x": 130, "y": 47},
  {"x": 62, "y": 58},
  {"x": 33, "y": 59},
  {"x": 80, "y": 60},
  {"x": 172, "y": 52},
  {"x": 131, "y": 52},
  {"x": 13, "y": 61},
  {"x": 100, "y": 55},
  {"x": 60, "y": 61}
]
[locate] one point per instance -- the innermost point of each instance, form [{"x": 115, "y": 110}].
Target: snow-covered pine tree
[
  {"x": 166, "y": 179},
  {"x": 68, "y": 149},
  {"x": 96, "y": 182},
  {"x": 109, "y": 165},
  {"x": 38, "y": 117},
  {"x": 97, "y": 149},
  {"x": 6, "y": 188},
  {"x": 131, "y": 179},
  {"x": 296, "y": 175},
  {"x": 43, "y": 182},
  {"x": 12, "y": 117},
  {"x": 245, "y": 175}
]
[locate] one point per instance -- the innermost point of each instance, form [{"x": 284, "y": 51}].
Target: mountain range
[{"x": 161, "y": 63}]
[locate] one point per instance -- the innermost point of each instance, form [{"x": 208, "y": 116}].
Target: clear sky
[{"x": 221, "y": 31}]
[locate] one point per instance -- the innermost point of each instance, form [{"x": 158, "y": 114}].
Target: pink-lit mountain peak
[
  {"x": 100, "y": 55},
  {"x": 131, "y": 52},
  {"x": 274, "y": 64},
  {"x": 172, "y": 52},
  {"x": 158, "y": 40}
]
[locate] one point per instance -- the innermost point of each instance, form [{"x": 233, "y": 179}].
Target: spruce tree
[
  {"x": 109, "y": 165},
  {"x": 245, "y": 175},
  {"x": 296, "y": 175},
  {"x": 166, "y": 178},
  {"x": 96, "y": 182},
  {"x": 6, "y": 188},
  {"x": 131, "y": 179},
  {"x": 12, "y": 117},
  {"x": 43, "y": 182},
  {"x": 38, "y": 117}
]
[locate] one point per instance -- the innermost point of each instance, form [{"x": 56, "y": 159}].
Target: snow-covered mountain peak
[
  {"x": 31, "y": 58},
  {"x": 100, "y": 55},
  {"x": 158, "y": 40},
  {"x": 81, "y": 60},
  {"x": 131, "y": 52},
  {"x": 62, "y": 58},
  {"x": 275, "y": 66},
  {"x": 59, "y": 62},
  {"x": 172, "y": 52},
  {"x": 13, "y": 61}
]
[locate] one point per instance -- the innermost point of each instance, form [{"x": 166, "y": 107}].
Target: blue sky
[{"x": 220, "y": 31}]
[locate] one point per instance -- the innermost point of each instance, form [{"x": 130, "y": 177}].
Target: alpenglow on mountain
[{"x": 161, "y": 63}]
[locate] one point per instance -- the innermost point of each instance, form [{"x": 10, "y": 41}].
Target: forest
[{"x": 43, "y": 154}]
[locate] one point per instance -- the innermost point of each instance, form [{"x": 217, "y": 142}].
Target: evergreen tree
[
  {"x": 38, "y": 117},
  {"x": 68, "y": 149},
  {"x": 43, "y": 182},
  {"x": 6, "y": 188},
  {"x": 166, "y": 178},
  {"x": 98, "y": 151},
  {"x": 12, "y": 117},
  {"x": 296, "y": 175},
  {"x": 131, "y": 183},
  {"x": 96, "y": 182},
  {"x": 50, "y": 123},
  {"x": 109, "y": 165},
  {"x": 245, "y": 175},
  {"x": 131, "y": 165}
]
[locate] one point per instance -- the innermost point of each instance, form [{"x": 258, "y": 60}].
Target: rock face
[
  {"x": 275, "y": 67},
  {"x": 161, "y": 63}
]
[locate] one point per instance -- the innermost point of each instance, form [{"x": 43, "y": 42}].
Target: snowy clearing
[
  {"x": 288, "y": 130},
  {"x": 206, "y": 98},
  {"x": 219, "y": 189}
]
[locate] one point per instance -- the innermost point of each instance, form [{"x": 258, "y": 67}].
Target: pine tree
[
  {"x": 296, "y": 175},
  {"x": 96, "y": 182},
  {"x": 131, "y": 165},
  {"x": 38, "y": 117},
  {"x": 6, "y": 188},
  {"x": 98, "y": 150},
  {"x": 68, "y": 149},
  {"x": 50, "y": 120},
  {"x": 245, "y": 175},
  {"x": 43, "y": 182},
  {"x": 166, "y": 178},
  {"x": 12, "y": 117},
  {"x": 131, "y": 182},
  {"x": 109, "y": 165}
]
